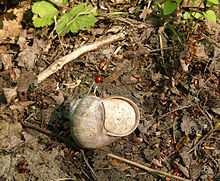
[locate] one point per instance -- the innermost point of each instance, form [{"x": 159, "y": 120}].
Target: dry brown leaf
[
  {"x": 58, "y": 98},
  {"x": 15, "y": 73},
  {"x": 119, "y": 165},
  {"x": 10, "y": 134},
  {"x": 6, "y": 60},
  {"x": 119, "y": 1},
  {"x": 21, "y": 105},
  {"x": 119, "y": 70},
  {"x": 200, "y": 52},
  {"x": 191, "y": 4},
  {"x": 10, "y": 94},
  {"x": 184, "y": 64},
  {"x": 23, "y": 84},
  {"x": 28, "y": 55},
  {"x": 183, "y": 169},
  {"x": 11, "y": 29},
  {"x": 3, "y": 49},
  {"x": 146, "y": 11},
  {"x": 186, "y": 124},
  {"x": 27, "y": 58}
]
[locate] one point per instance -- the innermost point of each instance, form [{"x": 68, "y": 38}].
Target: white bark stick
[{"x": 59, "y": 63}]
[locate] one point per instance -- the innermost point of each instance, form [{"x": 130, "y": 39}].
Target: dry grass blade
[
  {"x": 58, "y": 64},
  {"x": 147, "y": 168}
]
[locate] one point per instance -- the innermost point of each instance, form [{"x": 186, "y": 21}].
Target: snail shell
[{"x": 97, "y": 122}]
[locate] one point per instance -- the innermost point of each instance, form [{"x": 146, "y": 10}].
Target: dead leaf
[
  {"x": 24, "y": 82},
  {"x": 119, "y": 70},
  {"x": 193, "y": 4},
  {"x": 195, "y": 169},
  {"x": 11, "y": 29},
  {"x": 157, "y": 162},
  {"x": 216, "y": 110},
  {"x": 10, "y": 134},
  {"x": 146, "y": 11},
  {"x": 186, "y": 158},
  {"x": 21, "y": 105},
  {"x": 183, "y": 63},
  {"x": 58, "y": 98},
  {"x": 28, "y": 55},
  {"x": 119, "y": 1},
  {"x": 10, "y": 94},
  {"x": 3, "y": 49},
  {"x": 15, "y": 73},
  {"x": 6, "y": 60},
  {"x": 114, "y": 29},
  {"x": 183, "y": 169},
  {"x": 119, "y": 165},
  {"x": 27, "y": 58},
  {"x": 200, "y": 52},
  {"x": 186, "y": 124}
]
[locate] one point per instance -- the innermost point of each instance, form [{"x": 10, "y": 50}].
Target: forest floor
[{"x": 172, "y": 74}]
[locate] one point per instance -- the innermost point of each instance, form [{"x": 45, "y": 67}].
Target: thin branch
[
  {"x": 178, "y": 109},
  {"x": 147, "y": 168},
  {"x": 88, "y": 165},
  {"x": 211, "y": 40},
  {"x": 206, "y": 136},
  {"x": 59, "y": 63}
]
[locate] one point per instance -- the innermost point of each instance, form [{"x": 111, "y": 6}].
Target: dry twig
[
  {"x": 177, "y": 109},
  {"x": 147, "y": 168},
  {"x": 206, "y": 136},
  {"x": 58, "y": 64},
  {"x": 88, "y": 165}
]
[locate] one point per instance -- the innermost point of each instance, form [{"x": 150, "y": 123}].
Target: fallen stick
[
  {"x": 147, "y": 168},
  {"x": 59, "y": 63}
]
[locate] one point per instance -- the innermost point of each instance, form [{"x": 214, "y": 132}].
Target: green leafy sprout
[
  {"x": 44, "y": 13},
  {"x": 170, "y": 6},
  {"x": 80, "y": 17}
]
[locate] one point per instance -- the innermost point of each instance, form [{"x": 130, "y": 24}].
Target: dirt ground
[{"x": 173, "y": 77}]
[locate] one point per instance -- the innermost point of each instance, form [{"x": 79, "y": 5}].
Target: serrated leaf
[
  {"x": 44, "y": 13},
  {"x": 43, "y": 8},
  {"x": 41, "y": 22},
  {"x": 210, "y": 16},
  {"x": 62, "y": 26},
  {"x": 85, "y": 22},
  {"x": 169, "y": 7},
  {"x": 80, "y": 17},
  {"x": 213, "y": 1}
]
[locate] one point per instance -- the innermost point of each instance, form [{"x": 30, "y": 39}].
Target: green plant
[
  {"x": 80, "y": 17},
  {"x": 170, "y": 6}
]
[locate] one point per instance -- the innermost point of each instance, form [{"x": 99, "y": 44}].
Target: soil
[{"x": 173, "y": 77}]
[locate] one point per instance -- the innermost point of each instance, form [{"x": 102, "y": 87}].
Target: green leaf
[
  {"x": 62, "y": 25},
  {"x": 213, "y": 1},
  {"x": 80, "y": 17},
  {"x": 210, "y": 16},
  {"x": 197, "y": 15},
  {"x": 169, "y": 7},
  {"x": 43, "y": 8},
  {"x": 44, "y": 13},
  {"x": 178, "y": 2},
  {"x": 186, "y": 15},
  {"x": 41, "y": 22}
]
